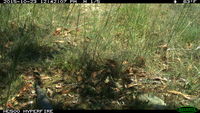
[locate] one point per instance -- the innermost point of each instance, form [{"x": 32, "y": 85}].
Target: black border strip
[
  {"x": 92, "y": 111},
  {"x": 96, "y": 1}
]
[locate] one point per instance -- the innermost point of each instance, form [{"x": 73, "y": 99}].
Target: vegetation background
[{"x": 100, "y": 56}]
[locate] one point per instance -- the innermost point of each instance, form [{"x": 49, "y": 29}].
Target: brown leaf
[
  {"x": 25, "y": 88},
  {"x": 45, "y": 77},
  {"x": 57, "y": 31},
  {"x": 131, "y": 73},
  {"x": 116, "y": 89},
  {"x": 94, "y": 74},
  {"x": 125, "y": 62},
  {"x": 179, "y": 93},
  {"x": 49, "y": 92},
  {"x": 164, "y": 46},
  {"x": 59, "y": 41},
  {"x": 70, "y": 95},
  {"x": 142, "y": 74},
  {"x": 58, "y": 86},
  {"x": 165, "y": 67},
  {"x": 28, "y": 77},
  {"x": 79, "y": 78},
  {"x": 8, "y": 44},
  {"x": 65, "y": 91},
  {"x": 189, "y": 45},
  {"x": 26, "y": 104},
  {"x": 178, "y": 59},
  {"x": 132, "y": 85},
  {"x": 9, "y": 105},
  {"x": 77, "y": 29}
]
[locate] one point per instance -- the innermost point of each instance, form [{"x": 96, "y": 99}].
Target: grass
[{"x": 76, "y": 41}]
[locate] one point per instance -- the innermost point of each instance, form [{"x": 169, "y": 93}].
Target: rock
[{"x": 152, "y": 102}]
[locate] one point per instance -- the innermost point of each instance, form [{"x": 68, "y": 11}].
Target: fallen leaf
[
  {"x": 45, "y": 77},
  {"x": 165, "y": 67},
  {"x": 77, "y": 29},
  {"x": 8, "y": 44},
  {"x": 132, "y": 85},
  {"x": 9, "y": 105},
  {"x": 197, "y": 48},
  {"x": 59, "y": 41},
  {"x": 130, "y": 74},
  {"x": 49, "y": 92},
  {"x": 125, "y": 62},
  {"x": 116, "y": 89},
  {"x": 74, "y": 44},
  {"x": 28, "y": 77},
  {"x": 142, "y": 75},
  {"x": 182, "y": 80},
  {"x": 70, "y": 95},
  {"x": 179, "y": 93},
  {"x": 94, "y": 74},
  {"x": 178, "y": 59},
  {"x": 13, "y": 99},
  {"x": 159, "y": 79},
  {"x": 59, "y": 91},
  {"x": 58, "y": 86},
  {"x": 33, "y": 92},
  {"x": 79, "y": 78},
  {"x": 189, "y": 45},
  {"x": 164, "y": 46},
  {"x": 66, "y": 33},
  {"x": 26, "y": 104},
  {"x": 107, "y": 80},
  {"x": 65, "y": 91},
  {"x": 57, "y": 31}
]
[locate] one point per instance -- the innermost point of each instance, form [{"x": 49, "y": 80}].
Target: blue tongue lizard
[{"x": 42, "y": 99}]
